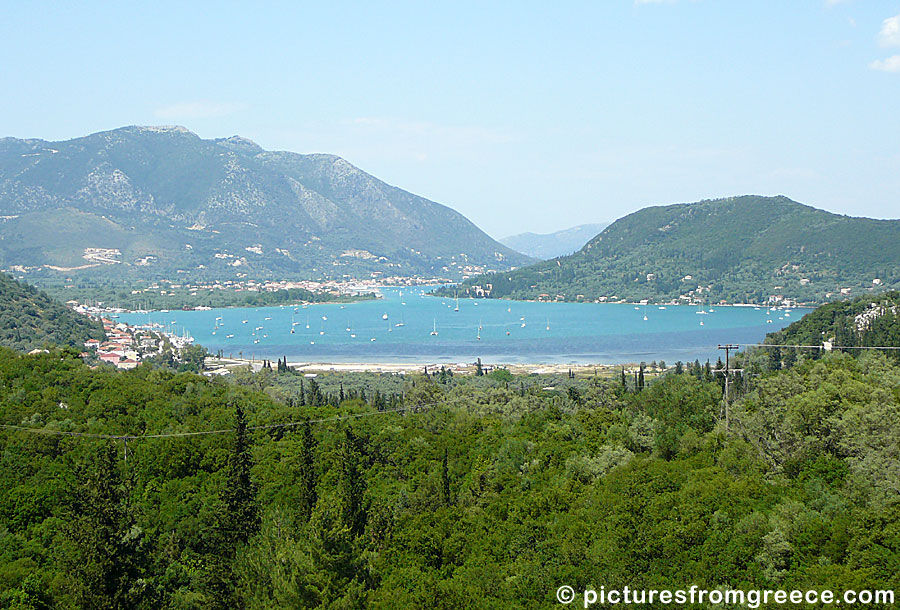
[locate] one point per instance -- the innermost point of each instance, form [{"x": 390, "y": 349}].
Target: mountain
[
  {"x": 738, "y": 249},
  {"x": 551, "y": 245},
  {"x": 30, "y": 319},
  {"x": 154, "y": 202}
]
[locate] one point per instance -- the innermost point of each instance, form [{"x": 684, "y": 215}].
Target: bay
[{"x": 399, "y": 327}]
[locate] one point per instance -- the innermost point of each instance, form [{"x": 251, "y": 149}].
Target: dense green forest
[
  {"x": 739, "y": 249},
  {"x": 486, "y": 492},
  {"x": 30, "y": 319}
]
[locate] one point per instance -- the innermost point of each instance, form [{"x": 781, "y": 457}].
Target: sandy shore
[{"x": 419, "y": 367}]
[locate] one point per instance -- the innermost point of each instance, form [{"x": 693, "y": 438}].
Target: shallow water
[{"x": 510, "y": 331}]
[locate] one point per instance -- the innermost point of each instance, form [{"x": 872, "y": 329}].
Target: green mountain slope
[
  {"x": 30, "y": 319},
  {"x": 160, "y": 201},
  {"x": 737, "y": 249},
  {"x": 872, "y": 320}
]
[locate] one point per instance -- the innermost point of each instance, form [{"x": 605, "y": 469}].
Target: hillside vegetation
[
  {"x": 739, "y": 249},
  {"x": 30, "y": 319},
  {"x": 160, "y": 202},
  {"x": 491, "y": 494}
]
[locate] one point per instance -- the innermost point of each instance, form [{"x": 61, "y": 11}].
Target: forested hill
[
  {"x": 740, "y": 249},
  {"x": 30, "y": 319},
  {"x": 490, "y": 497},
  {"x": 872, "y": 320},
  {"x": 161, "y": 202}
]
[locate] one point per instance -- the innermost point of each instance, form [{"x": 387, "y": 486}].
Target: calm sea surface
[{"x": 511, "y": 332}]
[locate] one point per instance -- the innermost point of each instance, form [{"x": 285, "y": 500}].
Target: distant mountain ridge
[
  {"x": 156, "y": 201},
  {"x": 737, "y": 249},
  {"x": 551, "y": 245}
]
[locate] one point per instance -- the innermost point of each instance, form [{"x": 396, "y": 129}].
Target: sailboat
[
  {"x": 434, "y": 329},
  {"x": 457, "y": 303},
  {"x": 548, "y": 323},
  {"x": 400, "y": 323},
  {"x": 478, "y": 337},
  {"x": 645, "y": 314}
]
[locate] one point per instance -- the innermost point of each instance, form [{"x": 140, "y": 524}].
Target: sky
[{"x": 523, "y": 116}]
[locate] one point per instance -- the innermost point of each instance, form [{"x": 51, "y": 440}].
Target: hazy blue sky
[{"x": 522, "y": 116}]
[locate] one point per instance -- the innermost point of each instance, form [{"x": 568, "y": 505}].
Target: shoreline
[{"x": 397, "y": 368}]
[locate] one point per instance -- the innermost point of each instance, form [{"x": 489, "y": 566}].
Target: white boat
[
  {"x": 384, "y": 316},
  {"x": 548, "y": 323},
  {"x": 434, "y": 329},
  {"x": 229, "y": 336}
]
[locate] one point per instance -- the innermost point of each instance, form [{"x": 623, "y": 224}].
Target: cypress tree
[
  {"x": 351, "y": 484},
  {"x": 102, "y": 556},
  {"x": 241, "y": 519},
  {"x": 308, "y": 478},
  {"x": 445, "y": 481}
]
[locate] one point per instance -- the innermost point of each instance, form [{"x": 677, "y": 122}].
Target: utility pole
[{"x": 728, "y": 371}]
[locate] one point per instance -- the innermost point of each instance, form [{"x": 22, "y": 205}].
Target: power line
[
  {"x": 135, "y": 437},
  {"x": 824, "y": 347}
]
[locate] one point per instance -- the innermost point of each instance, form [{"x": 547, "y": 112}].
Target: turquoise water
[{"x": 510, "y": 331}]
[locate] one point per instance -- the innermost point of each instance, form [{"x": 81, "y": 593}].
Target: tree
[
  {"x": 445, "y": 481},
  {"x": 309, "y": 480},
  {"x": 102, "y": 556},
  {"x": 238, "y": 521},
  {"x": 241, "y": 519},
  {"x": 351, "y": 484}
]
